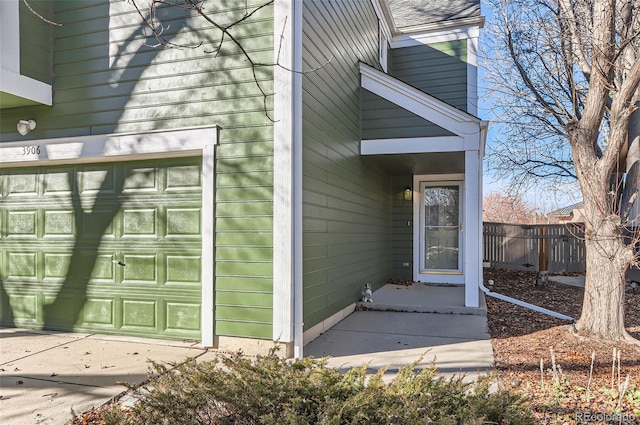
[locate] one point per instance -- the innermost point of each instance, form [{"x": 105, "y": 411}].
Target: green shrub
[{"x": 269, "y": 390}]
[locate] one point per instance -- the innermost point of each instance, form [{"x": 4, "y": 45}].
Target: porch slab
[
  {"x": 455, "y": 344},
  {"x": 421, "y": 322},
  {"x": 423, "y": 298}
]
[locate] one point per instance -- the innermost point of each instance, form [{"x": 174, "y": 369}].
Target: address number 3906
[{"x": 30, "y": 150}]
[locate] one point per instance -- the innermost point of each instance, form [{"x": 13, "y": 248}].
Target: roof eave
[{"x": 475, "y": 21}]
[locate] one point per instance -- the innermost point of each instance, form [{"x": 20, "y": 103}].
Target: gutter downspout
[{"x": 525, "y": 305}]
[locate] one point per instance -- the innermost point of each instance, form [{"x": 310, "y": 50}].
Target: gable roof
[
  {"x": 411, "y": 13},
  {"x": 568, "y": 210}
]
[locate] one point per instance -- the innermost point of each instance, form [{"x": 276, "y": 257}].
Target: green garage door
[{"x": 107, "y": 248}]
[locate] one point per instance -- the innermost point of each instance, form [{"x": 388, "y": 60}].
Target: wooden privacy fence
[{"x": 558, "y": 248}]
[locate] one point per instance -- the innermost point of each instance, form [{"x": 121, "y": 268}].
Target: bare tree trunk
[
  {"x": 607, "y": 261},
  {"x": 633, "y": 155}
]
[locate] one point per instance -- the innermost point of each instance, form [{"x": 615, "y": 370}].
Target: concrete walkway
[
  {"x": 456, "y": 339},
  {"x": 47, "y": 378}
]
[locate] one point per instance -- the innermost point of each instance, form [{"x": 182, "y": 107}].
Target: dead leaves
[{"x": 522, "y": 337}]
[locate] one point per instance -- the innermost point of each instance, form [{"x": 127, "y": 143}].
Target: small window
[{"x": 382, "y": 48}]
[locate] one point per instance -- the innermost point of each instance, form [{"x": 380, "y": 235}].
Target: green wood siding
[
  {"x": 64, "y": 227},
  {"x": 36, "y": 41},
  {"x": 347, "y": 204},
  {"x": 109, "y": 80},
  {"x": 439, "y": 69},
  {"x": 382, "y": 119},
  {"x": 402, "y": 228}
]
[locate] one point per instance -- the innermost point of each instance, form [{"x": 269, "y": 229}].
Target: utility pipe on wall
[{"x": 525, "y": 304}]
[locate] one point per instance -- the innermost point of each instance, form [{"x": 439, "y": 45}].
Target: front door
[{"x": 439, "y": 232}]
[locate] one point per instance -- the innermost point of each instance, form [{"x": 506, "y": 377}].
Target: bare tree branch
[
  {"x": 50, "y": 22},
  {"x": 159, "y": 31}
]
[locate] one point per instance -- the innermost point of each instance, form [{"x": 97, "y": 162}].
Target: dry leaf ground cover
[{"x": 563, "y": 390}]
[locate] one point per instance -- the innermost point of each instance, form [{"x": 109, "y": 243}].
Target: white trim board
[
  {"x": 412, "y": 145},
  {"x": 287, "y": 180},
  {"x": 135, "y": 146},
  {"x": 108, "y": 147},
  {"x": 385, "y": 17}
]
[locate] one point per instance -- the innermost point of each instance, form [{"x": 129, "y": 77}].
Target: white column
[
  {"x": 472, "y": 227},
  {"x": 208, "y": 244},
  {"x": 287, "y": 180}
]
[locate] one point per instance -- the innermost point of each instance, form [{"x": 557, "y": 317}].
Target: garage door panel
[
  {"x": 24, "y": 308},
  {"x": 99, "y": 312},
  {"x": 22, "y": 184},
  {"x": 140, "y": 268},
  {"x": 56, "y": 265},
  {"x": 140, "y": 179},
  {"x": 183, "y": 222},
  {"x": 183, "y": 178},
  {"x": 182, "y": 317},
  {"x": 98, "y": 180},
  {"x": 64, "y": 315},
  {"x": 22, "y": 224},
  {"x": 120, "y": 255},
  {"x": 181, "y": 269},
  {"x": 104, "y": 269},
  {"x": 22, "y": 266},
  {"x": 139, "y": 222},
  {"x": 59, "y": 224},
  {"x": 59, "y": 182},
  {"x": 140, "y": 313}
]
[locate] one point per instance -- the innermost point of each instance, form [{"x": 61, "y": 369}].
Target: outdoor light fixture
[
  {"x": 408, "y": 194},
  {"x": 25, "y": 126}
]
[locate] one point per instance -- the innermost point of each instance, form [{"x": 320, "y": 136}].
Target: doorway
[{"x": 438, "y": 227}]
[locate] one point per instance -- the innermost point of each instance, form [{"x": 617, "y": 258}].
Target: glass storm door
[{"x": 440, "y": 227}]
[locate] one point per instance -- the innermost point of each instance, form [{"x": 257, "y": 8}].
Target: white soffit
[{"x": 437, "y": 32}]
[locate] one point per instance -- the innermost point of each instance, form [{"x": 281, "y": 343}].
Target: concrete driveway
[{"x": 47, "y": 378}]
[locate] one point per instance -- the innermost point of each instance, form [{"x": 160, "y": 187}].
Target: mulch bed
[{"x": 522, "y": 337}]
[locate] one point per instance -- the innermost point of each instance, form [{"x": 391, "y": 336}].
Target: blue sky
[{"x": 543, "y": 200}]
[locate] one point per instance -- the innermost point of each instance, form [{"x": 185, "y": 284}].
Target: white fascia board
[
  {"x": 25, "y": 87},
  {"x": 438, "y": 35},
  {"x": 418, "y": 102},
  {"x": 133, "y": 146},
  {"x": 10, "y": 79},
  {"x": 385, "y": 17},
  {"x": 412, "y": 145}
]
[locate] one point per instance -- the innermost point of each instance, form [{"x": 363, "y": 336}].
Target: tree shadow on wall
[
  {"x": 63, "y": 313},
  {"x": 92, "y": 223}
]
